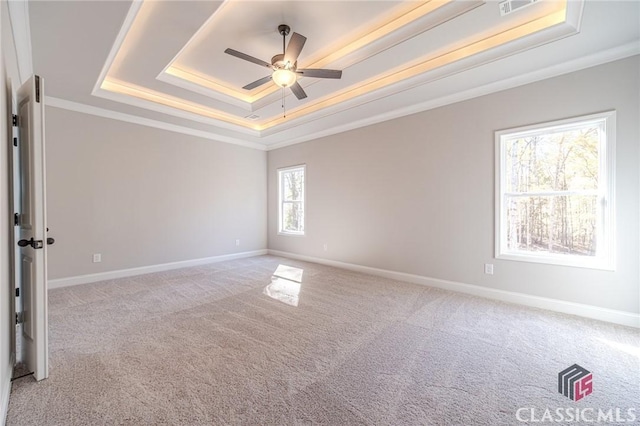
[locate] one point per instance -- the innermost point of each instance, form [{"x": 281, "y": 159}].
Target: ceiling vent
[
  {"x": 510, "y": 6},
  {"x": 252, "y": 117}
]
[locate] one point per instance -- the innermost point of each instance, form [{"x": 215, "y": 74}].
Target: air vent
[
  {"x": 252, "y": 117},
  {"x": 510, "y": 6}
]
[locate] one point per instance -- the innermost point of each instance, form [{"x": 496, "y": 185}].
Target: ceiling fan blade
[
  {"x": 248, "y": 58},
  {"x": 320, "y": 73},
  {"x": 257, "y": 83},
  {"x": 294, "y": 48},
  {"x": 298, "y": 90}
]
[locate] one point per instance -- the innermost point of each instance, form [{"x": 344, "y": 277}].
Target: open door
[{"x": 31, "y": 219}]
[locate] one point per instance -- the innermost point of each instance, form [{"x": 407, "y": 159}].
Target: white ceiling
[{"x": 163, "y": 62}]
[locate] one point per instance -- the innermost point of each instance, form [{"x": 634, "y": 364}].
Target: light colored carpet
[{"x": 206, "y": 345}]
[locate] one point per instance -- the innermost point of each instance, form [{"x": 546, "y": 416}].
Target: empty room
[{"x": 320, "y": 212}]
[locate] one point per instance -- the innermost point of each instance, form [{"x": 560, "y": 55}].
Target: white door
[{"x": 31, "y": 221}]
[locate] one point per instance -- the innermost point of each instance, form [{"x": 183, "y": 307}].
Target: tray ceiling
[{"x": 168, "y": 56}]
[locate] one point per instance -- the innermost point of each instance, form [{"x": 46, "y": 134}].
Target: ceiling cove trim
[
  {"x": 193, "y": 83},
  {"x": 210, "y": 115},
  {"x": 375, "y": 44},
  {"x": 21, "y": 30},
  {"x": 440, "y": 65},
  {"x": 600, "y": 58},
  {"x": 136, "y": 5},
  {"x": 403, "y": 24},
  {"x": 148, "y": 122},
  {"x": 593, "y": 60},
  {"x": 554, "y": 26},
  {"x": 443, "y": 10}
]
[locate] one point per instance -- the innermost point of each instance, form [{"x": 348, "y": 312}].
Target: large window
[
  {"x": 291, "y": 200},
  {"x": 554, "y": 192}
]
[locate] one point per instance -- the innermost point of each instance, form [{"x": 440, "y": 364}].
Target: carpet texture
[{"x": 229, "y": 343}]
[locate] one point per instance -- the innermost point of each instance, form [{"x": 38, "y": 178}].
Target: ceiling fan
[{"x": 284, "y": 65}]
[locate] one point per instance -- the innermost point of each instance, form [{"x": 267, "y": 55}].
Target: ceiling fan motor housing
[
  {"x": 284, "y": 66},
  {"x": 278, "y": 62}
]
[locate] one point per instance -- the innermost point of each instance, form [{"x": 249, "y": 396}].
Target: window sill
[
  {"x": 291, "y": 234},
  {"x": 586, "y": 263}
]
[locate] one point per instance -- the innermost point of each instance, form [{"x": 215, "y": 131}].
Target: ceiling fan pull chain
[{"x": 284, "y": 110}]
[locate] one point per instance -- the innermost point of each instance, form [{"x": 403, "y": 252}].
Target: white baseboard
[
  {"x": 122, "y": 273},
  {"x": 589, "y": 311}
]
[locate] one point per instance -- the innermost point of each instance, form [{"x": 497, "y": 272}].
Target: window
[
  {"x": 291, "y": 200},
  {"x": 554, "y": 192}
]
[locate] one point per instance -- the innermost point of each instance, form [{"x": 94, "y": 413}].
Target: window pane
[
  {"x": 556, "y": 161},
  {"x": 292, "y": 217},
  {"x": 555, "y": 224},
  {"x": 293, "y": 185}
]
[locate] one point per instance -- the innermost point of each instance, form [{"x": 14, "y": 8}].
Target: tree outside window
[
  {"x": 291, "y": 194},
  {"x": 555, "y": 192}
]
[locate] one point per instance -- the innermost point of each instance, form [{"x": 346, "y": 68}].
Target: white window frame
[
  {"x": 281, "y": 172},
  {"x": 605, "y": 250}
]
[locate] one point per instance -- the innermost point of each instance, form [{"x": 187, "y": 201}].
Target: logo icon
[{"x": 575, "y": 382}]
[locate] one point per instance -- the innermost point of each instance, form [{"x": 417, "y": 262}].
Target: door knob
[
  {"x": 36, "y": 244},
  {"x": 50, "y": 241}
]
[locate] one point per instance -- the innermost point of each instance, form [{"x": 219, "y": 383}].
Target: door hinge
[
  {"x": 14, "y": 120},
  {"x": 37, "y": 89},
  {"x": 15, "y": 141},
  {"x": 16, "y": 219},
  {"x": 18, "y": 292},
  {"x": 19, "y": 317}
]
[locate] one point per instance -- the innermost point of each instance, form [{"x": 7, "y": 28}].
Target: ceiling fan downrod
[{"x": 284, "y": 30}]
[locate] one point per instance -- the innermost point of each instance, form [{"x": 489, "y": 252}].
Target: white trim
[
  {"x": 605, "y": 254},
  {"x": 21, "y": 30},
  {"x": 136, "y": 5},
  {"x": 531, "y": 40},
  {"x": 114, "y": 115},
  {"x": 610, "y": 55},
  {"x": 629, "y": 319},
  {"x": 593, "y": 60},
  {"x": 122, "y": 273},
  {"x": 203, "y": 90},
  {"x": 280, "y": 172},
  {"x": 174, "y": 111},
  {"x": 195, "y": 35}
]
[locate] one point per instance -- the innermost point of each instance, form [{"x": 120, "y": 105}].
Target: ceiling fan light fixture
[{"x": 284, "y": 77}]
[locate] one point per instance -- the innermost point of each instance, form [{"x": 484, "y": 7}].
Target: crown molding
[
  {"x": 610, "y": 55},
  {"x": 129, "y": 118},
  {"x": 599, "y": 58}
]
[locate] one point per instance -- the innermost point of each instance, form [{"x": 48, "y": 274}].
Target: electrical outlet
[
  {"x": 237, "y": 243},
  {"x": 326, "y": 247},
  {"x": 97, "y": 258},
  {"x": 488, "y": 268}
]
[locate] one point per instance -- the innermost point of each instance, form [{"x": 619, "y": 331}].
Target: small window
[
  {"x": 291, "y": 204},
  {"x": 554, "y": 192}
]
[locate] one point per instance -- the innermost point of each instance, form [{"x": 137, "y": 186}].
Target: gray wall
[
  {"x": 143, "y": 196},
  {"x": 416, "y": 194}
]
